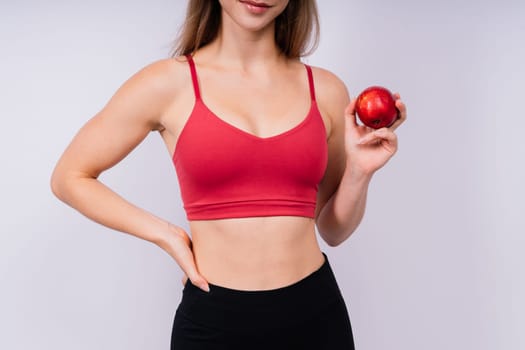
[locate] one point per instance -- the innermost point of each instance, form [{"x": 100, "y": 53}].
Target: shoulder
[
  {"x": 331, "y": 94},
  {"x": 150, "y": 90},
  {"x": 328, "y": 86},
  {"x": 160, "y": 78}
]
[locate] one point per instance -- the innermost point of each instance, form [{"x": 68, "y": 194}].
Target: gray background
[{"x": 437, "y": 262}]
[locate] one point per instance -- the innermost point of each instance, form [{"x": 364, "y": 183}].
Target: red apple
[{"x": 376, "y": 107}]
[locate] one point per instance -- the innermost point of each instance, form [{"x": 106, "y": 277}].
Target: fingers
[
  {"x": 180, "y": 249},
  {"x": 401, "y": 107},
  {"x": 187, "y": 264},
  {"x": 197, "y": 280},
  {"x": 378, "y": 136}
]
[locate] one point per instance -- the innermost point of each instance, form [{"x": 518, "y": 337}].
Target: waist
[
  {"x": 256, "y": 253},
  {"x": 239, "y": 310}
]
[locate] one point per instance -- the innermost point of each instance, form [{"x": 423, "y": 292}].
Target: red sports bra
[{"x": 225, "y": 172}]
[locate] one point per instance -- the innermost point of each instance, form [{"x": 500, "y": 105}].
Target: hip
[{"x": 307, "y": 312}]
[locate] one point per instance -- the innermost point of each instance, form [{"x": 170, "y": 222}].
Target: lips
[{"x": 256, "y": 4}]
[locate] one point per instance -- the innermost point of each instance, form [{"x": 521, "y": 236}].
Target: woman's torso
[{"x": 253, "y": 253}]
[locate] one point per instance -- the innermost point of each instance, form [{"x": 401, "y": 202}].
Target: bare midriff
[{"x": 260, "y": 253}]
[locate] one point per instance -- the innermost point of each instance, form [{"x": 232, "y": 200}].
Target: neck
[{"x": 244, "y": 49}]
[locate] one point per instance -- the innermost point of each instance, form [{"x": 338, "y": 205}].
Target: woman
[{"x": 265, "y": 149}]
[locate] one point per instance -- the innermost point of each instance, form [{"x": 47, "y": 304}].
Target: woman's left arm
[{"x": 355, "y": 153}]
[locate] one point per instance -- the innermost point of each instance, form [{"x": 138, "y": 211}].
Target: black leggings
[{"x": 309, "y": 314}]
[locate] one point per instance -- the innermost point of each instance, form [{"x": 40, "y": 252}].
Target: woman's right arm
[{"x": 134, "y": 111}]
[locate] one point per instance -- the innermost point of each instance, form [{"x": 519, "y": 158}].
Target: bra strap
[
  {"x": 194, "y": 77},
  {"x": 310, "y": 81}
]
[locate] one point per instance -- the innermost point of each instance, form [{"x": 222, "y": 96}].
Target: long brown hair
[{"x": 296, "y": 29}]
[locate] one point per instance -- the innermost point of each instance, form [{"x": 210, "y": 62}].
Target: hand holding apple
[
  {"x": 376, "y": 107},
  {"x": 368, "y": 148}
]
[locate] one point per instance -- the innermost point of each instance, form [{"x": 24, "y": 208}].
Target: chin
[{"x": 253, "y": 15}]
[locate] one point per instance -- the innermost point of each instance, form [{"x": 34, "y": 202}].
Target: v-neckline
[
  {"x": 251, "y": 135},
  {"x": 199, "y": 100}
]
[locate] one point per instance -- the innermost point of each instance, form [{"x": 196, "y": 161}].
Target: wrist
[
  {"x": 357, "y": 174},
  {"x": 167, "y": 233}
]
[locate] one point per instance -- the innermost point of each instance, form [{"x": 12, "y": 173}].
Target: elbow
[
  {"x": 69, "y": 185},
  {"x": 335, "y": 239},
  {"x": 335, "y": 233},
  {"x": 333, "y": 242},
  {"x": 61, "y": 184},
  {"x": 56, "y": 182}
]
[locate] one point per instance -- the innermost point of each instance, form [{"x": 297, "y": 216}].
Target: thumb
[{"x": 350, "y": 114}]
